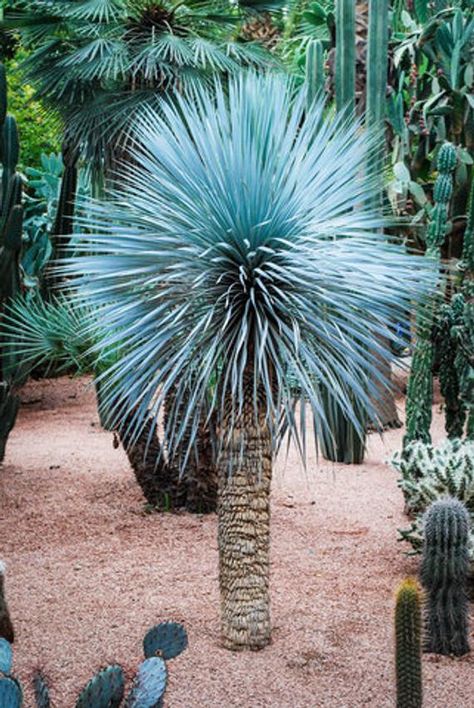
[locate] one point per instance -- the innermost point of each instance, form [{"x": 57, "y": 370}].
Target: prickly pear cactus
[
  {"x": 149, "y": 685},
  {"x": 41, "y": 691},
  {"x": 6, "y": 656},
  {"x": 104, "y": 690},
  {"x": 408, "y": 644},
  {"x": 166, "y": 640},
  {"x": 10, "y": 693}
]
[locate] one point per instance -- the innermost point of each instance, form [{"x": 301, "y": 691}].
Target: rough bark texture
[
  {"x": 244, "y": 535},
  {"x": 159, "y": 477},
  {"x": 160, "y": 488}
]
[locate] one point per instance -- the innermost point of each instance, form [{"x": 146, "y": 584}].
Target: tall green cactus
[
  {"x": 11, "y": 225},
  {"x": 408, "y": 645},
  {"x": 314, "y": 71},
  {"x": 420, "y": 384},
  {"x": 345, "y": 55},
  {"x": 444, "y": 573}
]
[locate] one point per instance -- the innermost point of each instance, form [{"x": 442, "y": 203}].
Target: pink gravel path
[{"x": 89, "y": 571}]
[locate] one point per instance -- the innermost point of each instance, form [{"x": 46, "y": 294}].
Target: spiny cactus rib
[
  {"x": 166, "y": 640},
  {"x": 345, "y": 55},
  {"x": 41, "y": 691},
  {"x": 104, "y": 690},
  {"x": 10, "y": 693},
  {"x": 149, "y": 685},
  {"x": 314, "y": 70},
  {"x": 444, "y": 575},
  {"x": 420, "y": 384},
  {"x": 6, "y": 656},
  {"x": 408, "y": 645}
]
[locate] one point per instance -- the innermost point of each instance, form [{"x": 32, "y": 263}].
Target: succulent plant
[
  {"x": 345, "y": 55},
  {"x": 420, "y": 384},
  {"x": 6, "y": 626},
  {"x": 408, "y": 644},
  {"x": 104, "y": 690},
  {"x": 444, "y": 573},
  {"x": 11, "y": 224},
  {"x": 10, "y": 693},
  {"x": 6, "y": 656},
  {"x": 149, "y": 684},
  {"x": 314, "y": 71},
  {"x": 41, "y": 691},
  {"x": 167, "y": 640}
]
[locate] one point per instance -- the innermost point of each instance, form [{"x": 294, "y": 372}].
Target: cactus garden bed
[{"x": 89, "y": 570}]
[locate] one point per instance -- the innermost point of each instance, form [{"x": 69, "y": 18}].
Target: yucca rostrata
[
  {"x": 238, "y": 262},
  {"x": 408, "y": 625}
]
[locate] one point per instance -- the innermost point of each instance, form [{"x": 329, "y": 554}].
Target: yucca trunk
[{"x": 245, "y": 470}]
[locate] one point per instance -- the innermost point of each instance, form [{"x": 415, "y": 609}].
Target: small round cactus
[{"x": 444, "y": 574}]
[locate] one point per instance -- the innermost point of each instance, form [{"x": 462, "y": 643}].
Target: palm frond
[{"x": 240, "y": 254}]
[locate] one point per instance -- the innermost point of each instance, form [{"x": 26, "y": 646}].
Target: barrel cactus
[
  {"x": 408, "y": 644},
  {"x": 444, "y": 576}
]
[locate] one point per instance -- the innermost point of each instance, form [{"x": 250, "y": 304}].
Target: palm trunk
[{"x": 244, "y": 533}]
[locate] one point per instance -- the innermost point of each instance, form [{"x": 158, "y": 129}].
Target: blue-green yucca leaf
[{"x": 239, "y": 255}]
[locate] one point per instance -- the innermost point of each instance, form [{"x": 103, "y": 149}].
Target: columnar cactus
[
  {"x": 408, "y": 644},
  {"x": 444, "y": 573},
  {"x": 345, "y": 55},
  {"x": 11, "y": 223},
  {"x": 420, "y": 385},
  {"x": 314, "y": 71},
  {"x": 6, "y": 626}
]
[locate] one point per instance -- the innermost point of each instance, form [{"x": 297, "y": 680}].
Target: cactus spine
[
  {"x": 444, "y": 573},
  {"x": 314, "y": 71},
  {"x": 420, "y": 384},
  {"x": 11, "y": 224},
  {"x": 345, "y": 55},
  {"x": 6, "y": 626},
  {"x": 408, "y": 644}
]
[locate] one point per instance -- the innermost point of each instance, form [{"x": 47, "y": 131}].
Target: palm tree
[
  {"x": 238, "y": 261},
  {"x": 98, "y": 62}
]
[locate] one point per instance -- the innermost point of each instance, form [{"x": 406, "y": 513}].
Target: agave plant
[{"x": 240, "y": 262}]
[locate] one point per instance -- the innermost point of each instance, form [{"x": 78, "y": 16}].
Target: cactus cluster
[
  {"x": 408, "y": 624},
  {"x": 444, "y": 573},
  {"x": 107, "y": 688},
  {"x": 11, "y": 225},
  {"x": 420, "y": 385},
  {"x": 429, "y": 473}
]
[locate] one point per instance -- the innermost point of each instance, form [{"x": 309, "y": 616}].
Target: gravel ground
[{"x": 89, "y": 571}]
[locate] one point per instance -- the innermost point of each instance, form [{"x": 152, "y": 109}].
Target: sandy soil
[{"x": 89, "y": 571}]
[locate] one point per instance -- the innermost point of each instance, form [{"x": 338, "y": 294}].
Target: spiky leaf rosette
[{"x": 238, "y": 255}]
